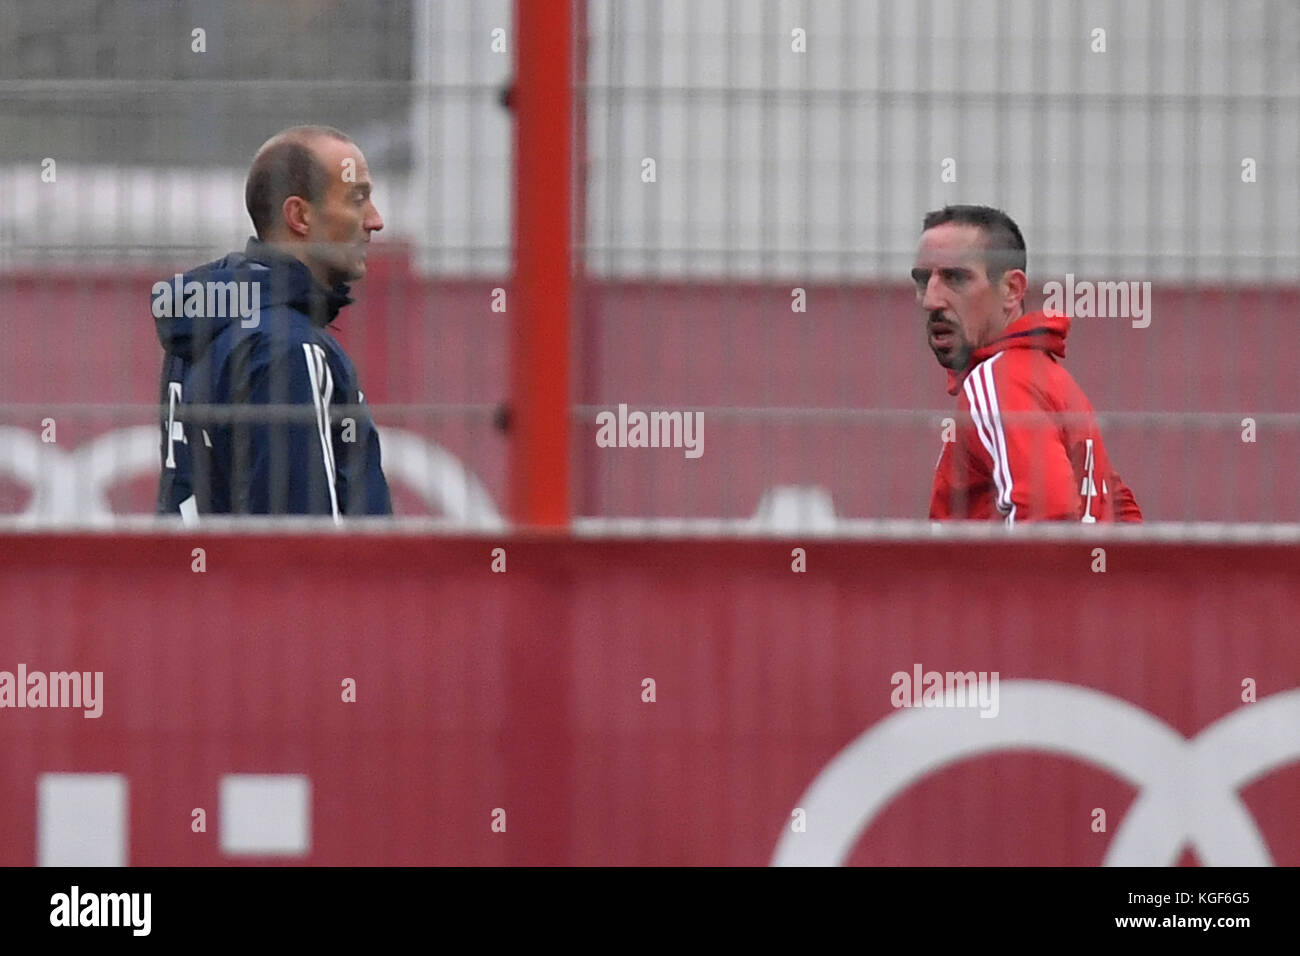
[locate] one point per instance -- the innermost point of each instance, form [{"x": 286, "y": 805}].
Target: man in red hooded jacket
[{"x": 1026, "y": 446}]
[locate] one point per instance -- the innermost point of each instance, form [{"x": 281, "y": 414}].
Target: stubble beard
[{"x": 958, "y": 356}]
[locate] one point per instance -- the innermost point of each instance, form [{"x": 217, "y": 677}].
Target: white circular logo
[{"x": 1187, "y": 788}]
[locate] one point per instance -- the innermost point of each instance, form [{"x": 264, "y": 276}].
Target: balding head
[
  {"x": 286, "y": 165},
  {"x": 308, "y": 193}
]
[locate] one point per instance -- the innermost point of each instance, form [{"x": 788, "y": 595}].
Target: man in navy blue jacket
[{"x": 262, "y": 413}]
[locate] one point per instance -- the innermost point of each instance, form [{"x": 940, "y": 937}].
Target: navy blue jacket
[{"x": 252, "y": 390}]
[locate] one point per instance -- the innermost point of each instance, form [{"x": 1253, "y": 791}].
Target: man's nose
[
  {"x": 373, "y": 222},
  {"x": 933, "y": 300}
]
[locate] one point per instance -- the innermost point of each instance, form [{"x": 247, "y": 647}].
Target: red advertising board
[{"x": 651, "y": 702}]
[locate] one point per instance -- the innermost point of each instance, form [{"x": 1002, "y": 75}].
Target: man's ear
[
  {"x": 1014, "y": 286},
  {"x": 297, "y": 216}
]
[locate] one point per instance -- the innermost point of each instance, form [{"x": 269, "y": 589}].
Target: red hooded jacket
[{"x": 1026, "y": 445}]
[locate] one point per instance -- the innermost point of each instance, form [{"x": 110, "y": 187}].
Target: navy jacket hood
[{"x": 281, "y": 280}]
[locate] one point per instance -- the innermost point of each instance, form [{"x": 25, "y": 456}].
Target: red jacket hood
[{"x": 1044, "y": 331}]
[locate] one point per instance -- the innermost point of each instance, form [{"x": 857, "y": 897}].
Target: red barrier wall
[{"x": 523, "y": 690}]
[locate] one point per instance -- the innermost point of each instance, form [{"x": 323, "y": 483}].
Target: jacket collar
[
  {"x": 1043, "y": 331},
  {"x": 302, "y": 290}
]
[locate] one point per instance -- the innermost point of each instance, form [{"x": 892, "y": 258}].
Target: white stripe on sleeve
[
  {"x": 982, "y": 395},
  {"x": 322, "y": 390}
]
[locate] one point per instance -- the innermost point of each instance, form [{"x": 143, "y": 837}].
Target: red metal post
[{"x": 542, "y": 290}]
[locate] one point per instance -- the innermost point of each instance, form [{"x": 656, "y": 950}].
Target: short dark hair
[
  {"x": 1004, "y": 246},
  {"x": 286, "y": 166}
]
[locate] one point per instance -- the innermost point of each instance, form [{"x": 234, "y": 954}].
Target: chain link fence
[{"x": 752, "y": 178}]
